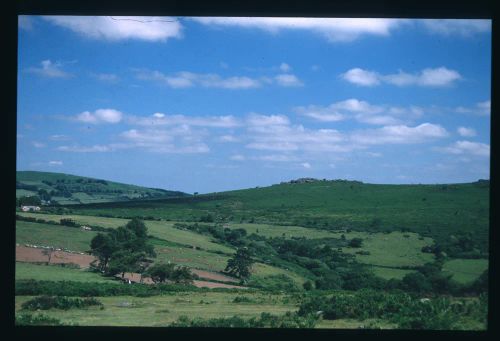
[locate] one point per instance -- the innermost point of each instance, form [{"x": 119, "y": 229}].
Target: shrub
[
  {"x": 25, "y": 319},
  {"x": 64, "y": 303}
]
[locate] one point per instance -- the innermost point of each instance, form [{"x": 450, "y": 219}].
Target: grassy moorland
[
  {"x": 69, "y": 189},
  {"x": 435, "y": 211},
  {"x": 324, "y": 243}
]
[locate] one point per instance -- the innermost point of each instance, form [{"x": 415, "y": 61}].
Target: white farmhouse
[{"x": 30, "y": 208}]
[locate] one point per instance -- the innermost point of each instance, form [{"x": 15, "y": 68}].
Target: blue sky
[{"x": 213, "y": 104}]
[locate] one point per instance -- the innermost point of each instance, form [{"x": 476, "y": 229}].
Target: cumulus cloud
[
  {"x": 237, "y": 157},
  {"x": 160, "y": 119},
  {"x": 288, "y": 80},
  {"x": 399, "y": 134},
  {"x": 429, "y": 77},
  {"x": 119, "y": 28},
  {"x": 59, "y": 138},
  {"x": 466, "y": 132},
  {"x": 285, "y": 67},
  {"x": 186, "y": 79},
  {"x": 100, "y": 116},
  {"x": 361, "y": 77},
  {"x": 228, "y": 138},
  {"x": 106, "y": 77},
  {"x": 276, "y": 158},
  {"x": 480, "y": 109},
  {"x": 38, "y": 144},
  {"x": 49, "y": 69},
  {"x": 83, "y": 149},
  {"x": 254, "y": 119},
  {"x": 362, "y": 111},
  {"x": 467, "y": 148},
  {"x": 460, "y": 27},
  {"x": 333, "y": 29},
  {"x": 294, "y": 138},
  {"x": 180, "y": 139},
  {"x": 306, "y": 165}
]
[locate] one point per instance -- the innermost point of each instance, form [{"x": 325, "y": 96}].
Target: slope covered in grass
[
  {"x": 435, "y": 211},
  {"x": 72, "y": 189}
]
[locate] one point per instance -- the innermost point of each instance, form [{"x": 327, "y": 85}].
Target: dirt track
[{"x": 205, "y": 284}]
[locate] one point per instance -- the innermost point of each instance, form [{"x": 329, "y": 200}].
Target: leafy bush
[
  {"x": 89, "y": 289},
  {"x": 64, "y": 303},
  {"x": 25, "y": 319},
  {"x": 407, "y": 311},
  {"x": 279, "y": 282},
  {"x": 266, "y": 320}
]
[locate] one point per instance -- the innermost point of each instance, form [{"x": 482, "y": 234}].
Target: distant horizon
[
  {"x": 252, "y": 187},
  {"x": 210, "y": 104}
]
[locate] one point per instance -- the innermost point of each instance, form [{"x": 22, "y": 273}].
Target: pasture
[
  {"x": 158, "y": 311},
  {"x": 44, "y": 272},
  {"x": 465, "y": 270},
  {"x": 70, "y": 238},
  {"x": 158, "y": 229}
]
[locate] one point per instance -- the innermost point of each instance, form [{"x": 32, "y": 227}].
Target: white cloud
[
  {"x": 333, "y": 29},
  {"x": 437, "y": 77},
  {"x": 285, "y": 67},
  {"x": 399, "y": 134},
  {"x": 49, "y": 70},
  {"x": 362, "y": 111},
  {"x": 254, "y": 119},
  {"x": 25, "y": 22},
  {"x": 55, "y": 163},
  {"x": 59, "y": 138},
  {"x": 118, "y": 28},
  {"x": 38, "y": 144},
  {"x": 106, "y": 77},
  {"x": 276, "y": 158},
  {"x": 461, "y": 27},
  {"x": 480, "y": 109},
  {"x": 429, "y": 77},
  {"x": 80, "y": 149},
  {"x": 306, "y": 165},
  {"x": 466, "y": 132},
  {"x": 288, "y": 80},
  {"x": 186, "y": 79},
  {"x": 228, "y": 138},
  {"x": 361, "y": 77},
  {"x": 467, "y": 148},
  {"x": 160, "y": 119},
  {"x": 294, "y": 138},
  {"x": 238, "y": 157},
  {"x": 100, "y": 116},
  {"x": 179, "y": 139}
]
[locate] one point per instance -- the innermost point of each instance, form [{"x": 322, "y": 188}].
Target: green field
[
  {"x": 159, "y": 229},
  {"x": 69, "y": 238},
  {"x": 43, "y": 272},
  {"x": 434, "y": 211},
  {"x": 465, "y": 270},
  {"x": 391, "y": 249},
  {"x": 272, "y": 231},
  {"x": 162, "y": 310},
  {"x": 69, "y": 189}
]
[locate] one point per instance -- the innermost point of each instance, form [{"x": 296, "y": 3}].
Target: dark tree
[
  {"x": 103, "y": 246},
  {"x": 160, "y": 272},
  {"x": 240, "y": 264},
  {"x": 356, "y": 242}
]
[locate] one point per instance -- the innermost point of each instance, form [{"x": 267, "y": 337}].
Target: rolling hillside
[
  {"x": 436, "y": 211},
  {"x": 66, "y": 189}
]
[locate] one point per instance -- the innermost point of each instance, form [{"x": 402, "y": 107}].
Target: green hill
[
  {"x": 442, "y": 212},
  {"x": 66, "y": 189}
]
